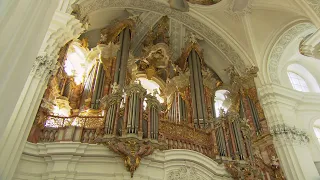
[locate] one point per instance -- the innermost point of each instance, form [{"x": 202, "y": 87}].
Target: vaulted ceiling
[{"x": 233, "y": 31}]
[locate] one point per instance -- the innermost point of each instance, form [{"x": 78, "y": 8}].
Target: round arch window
[{"x": 297, "y": 82}]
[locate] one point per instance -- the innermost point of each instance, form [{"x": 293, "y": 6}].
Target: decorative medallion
[{"x": 184, "y": 173}]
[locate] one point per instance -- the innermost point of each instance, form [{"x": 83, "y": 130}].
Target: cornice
[
  {"x": 171, "y": 160},
  {"x": 296, "y": 99}
]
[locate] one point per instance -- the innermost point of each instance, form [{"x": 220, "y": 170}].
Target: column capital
[{"x": 44, "y": 67}]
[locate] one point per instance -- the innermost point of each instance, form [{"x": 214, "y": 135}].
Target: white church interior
[{"x": 159, "y": 89}]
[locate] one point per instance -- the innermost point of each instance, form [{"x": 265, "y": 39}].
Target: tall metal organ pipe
[
  {"x": 197, "y": 91},
  {"x": 255, "y": 116},
  {"x": 88, "y": 86},
  {"x": 98, "y": 87},
  {"x": 122, "y": 57}
]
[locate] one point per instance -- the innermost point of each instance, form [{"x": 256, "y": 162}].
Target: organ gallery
[{"x": 138, "y": 102}]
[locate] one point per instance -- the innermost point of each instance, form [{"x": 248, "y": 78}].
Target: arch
[
  {"x": 59, "y": 35},
  {"x": 236, "y": 57},
  {"x": 76, "y": 56},
  {"x": 286, "y": 36}
]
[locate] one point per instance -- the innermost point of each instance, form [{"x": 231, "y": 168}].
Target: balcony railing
[{"x": 174, "y": 135}]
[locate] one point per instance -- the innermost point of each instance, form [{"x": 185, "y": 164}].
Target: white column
[
  {"x": 23, "y": 25},
  {"x": 22, "y": 117},
  {"x": 21, "y": 112},
  {"x": 289, "y": 136}
]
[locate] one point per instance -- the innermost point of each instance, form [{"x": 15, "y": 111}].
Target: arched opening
[
  {"x": 297, "y": 82},
  {"x": 301, "y": 79},
  {"x": 151, "y": 87},
  {"x": 221, "y": 102},
  {"x": 75, "y": 64}
]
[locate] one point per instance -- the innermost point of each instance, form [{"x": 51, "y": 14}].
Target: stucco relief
[
  {"x": 279, "y": 48},
  {"x": 143, "y": 27},
  {"x": 161, "y": 8},
  {"x": 175, "y": 38},
  {"x": 239, "y": 8},
  {"x": 315, "y": 5},
  {"x": 290, "y": 135},
  {"x": 184, "y": 173},
  {"x": 43, "y": 67}
]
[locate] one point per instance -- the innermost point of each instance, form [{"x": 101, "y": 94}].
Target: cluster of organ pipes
[
  {"x": 112, "y": 90},
  {"x": 132, "y": 121}
]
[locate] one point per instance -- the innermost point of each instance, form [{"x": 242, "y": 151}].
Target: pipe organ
[{"x": 134, "y": 105}]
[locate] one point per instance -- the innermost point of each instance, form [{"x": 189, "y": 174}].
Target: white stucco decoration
[
  {"x": 279, "y": 48},
  {"x": 75, "y": 160}
]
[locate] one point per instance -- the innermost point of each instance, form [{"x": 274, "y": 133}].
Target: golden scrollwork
[
  {"x": 184, "y": 132},
  {"x": 182, "y": 61},
  {"x": 79, "y": 121},
  {"x": 131, "y": 149},
  {"x": 110, "y": 33}
]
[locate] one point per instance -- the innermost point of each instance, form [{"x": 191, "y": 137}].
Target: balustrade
[{"x": 176, "y": 135}]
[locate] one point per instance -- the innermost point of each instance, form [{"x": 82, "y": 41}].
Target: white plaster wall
[
  {"x": 23, "y": 26},
  {"x": 81, "y": 161},
  {"x": 295, "y": 109}
]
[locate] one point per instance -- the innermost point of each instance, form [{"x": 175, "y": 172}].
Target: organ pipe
[
  {"x": 153, "y": 108},
  {"x": 88, "y": 86},
  {"x": 98, "y": 87},
  {"x": 135, "y": 93},
  {"x": 255, "y": 116},
  {"x": 177, "y": 111},
  {"x": 122, "y": 57},
  {"x": 197, "y": 91}
]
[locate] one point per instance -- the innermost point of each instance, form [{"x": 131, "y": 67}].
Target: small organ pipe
[
  {"x": 114, "y": 129},
  {"x": 152, "y": 123},
  {"x": 133, "y": 111},
  {"x": 141, "y": 114},
  {"x": 149, "y": 122},
  {"x": 157, "y": 124},
  {"x": 226, "y": 142},
  {"x": 137, "y": 119},
  {"x": 130, "y": 101},
  {"x": 124, "y": 125},
  {"x": 108, "y": 121}
]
